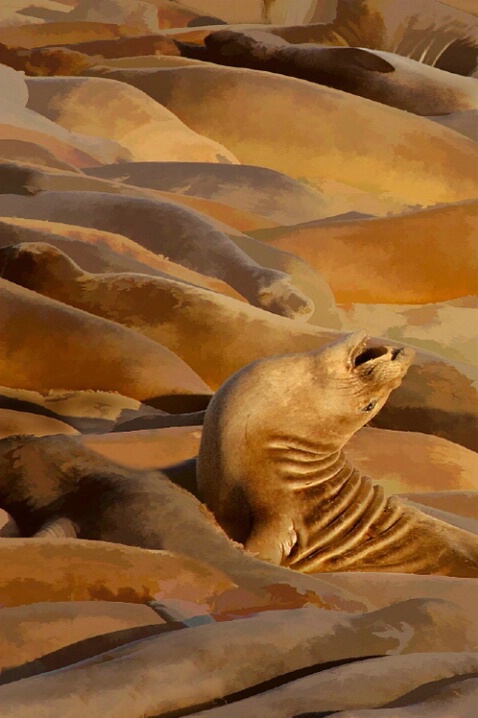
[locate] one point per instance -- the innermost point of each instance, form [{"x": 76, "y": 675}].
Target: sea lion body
[
  {"x": 173, "y": 231},
  {"x": 272, "y": 470},
  {"x": 53, "y": 479},
  {"x": 380, "y": 76}
]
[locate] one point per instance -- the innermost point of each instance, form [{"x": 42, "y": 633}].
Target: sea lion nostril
[{"x": 368, "y": 354}]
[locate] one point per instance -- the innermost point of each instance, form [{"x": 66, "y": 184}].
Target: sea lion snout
[{"x": 364, "y": 355}]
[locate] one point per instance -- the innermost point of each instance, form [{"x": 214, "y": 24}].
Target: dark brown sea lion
[
  {"x": 173, "y": 231},
  {"x": 50, "y": 479},
  {"x": 381, "y": 76},
  {"x": 272, "y": 470}
]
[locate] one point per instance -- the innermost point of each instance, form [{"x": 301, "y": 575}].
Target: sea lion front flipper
[
  {"x": 57, "y": 528},
  {"x": 272, "y": 541}
]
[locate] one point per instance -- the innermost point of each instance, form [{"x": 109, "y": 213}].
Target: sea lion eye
[{"x": 370, "y": 406}]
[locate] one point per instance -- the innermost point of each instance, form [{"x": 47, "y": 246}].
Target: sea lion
[
  {"x": 98, "y": 251},
  {"x": 126, "y": 362},
  {"x": 377, "y": 75},
  {"x": 386, "y": 259},
  {"x": 266, "y": 192},
  {"x": 423, "y": 30},
  {"x": 255, "y": 136},
  {"x": 147, "y": 130},
  {"x": 176, "y": 232},
  {"x": 50, "y": 478},
  {"x": 288, "y": 418}
]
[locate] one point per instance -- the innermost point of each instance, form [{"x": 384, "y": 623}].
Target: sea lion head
[
  {"x": 353, "y": 379},
  {"x": 316, "y": 400}
]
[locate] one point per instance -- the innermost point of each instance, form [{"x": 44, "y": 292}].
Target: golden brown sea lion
[
  {"x": 154, "y": 372},
  {"x": 386, "y": 259},
  {"x": 255, "y": 136},
  {"x": 380, "y": 76},
  {"x": 176, "y": 232},
  {"x": 272, "y": 470},
  {"x": 98, "y": 251},
  {"x": 148, "y": 130}
]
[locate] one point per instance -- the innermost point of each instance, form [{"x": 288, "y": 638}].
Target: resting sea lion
[
  {"x": 255, "y": 137},
  {"x": 126, "y": 362},
  {"x": 98, "y": 251},
  {"x": 272, "y": 470},
  {"x": 380, "y": 76},
  {"x": 147, "y": 130},
  {"x": 436, "y": 397},
  {"x": 176, "y": 232},
  {"x": 246, "y": 187},
  {"x": 56, "y": 481},
  {"x": 387, "y": 259}
]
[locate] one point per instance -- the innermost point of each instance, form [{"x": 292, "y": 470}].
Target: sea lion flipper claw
[{"x": 272, "y": 543}]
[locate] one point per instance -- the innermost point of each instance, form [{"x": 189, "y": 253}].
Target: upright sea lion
[
  {"x": 436, "y": 397},
  {"x": 272, "y": 470},
  {"x": 380, "y": 76}
]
